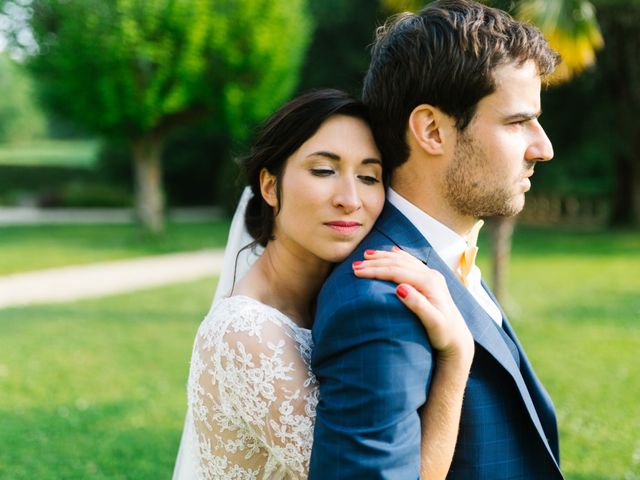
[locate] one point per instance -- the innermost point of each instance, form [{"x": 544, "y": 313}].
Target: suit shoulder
[{"x": 342, "y": 275}]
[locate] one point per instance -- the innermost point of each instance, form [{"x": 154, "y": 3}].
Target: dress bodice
[{"x": 251, "y": 394}]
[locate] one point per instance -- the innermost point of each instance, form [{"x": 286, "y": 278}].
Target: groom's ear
[
  {"x": 268, "y": 187},
  {"x": 428, "y": 125}
]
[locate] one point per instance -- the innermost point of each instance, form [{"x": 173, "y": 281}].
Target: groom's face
[{"x": 495, "y": 155}]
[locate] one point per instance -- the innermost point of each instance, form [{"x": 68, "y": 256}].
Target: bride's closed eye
[
  {"x": 322, "y": 172},
  {"x": 368, "y": 179}
]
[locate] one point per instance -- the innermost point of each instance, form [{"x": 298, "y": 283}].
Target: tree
[
  {"x": 134, "y": 70},
  {"x": 571, "y": 28},
  {"x": 618, "y": 87},
  {"x": 20, "y": 118},
  {"x": 339, "y": 53}
]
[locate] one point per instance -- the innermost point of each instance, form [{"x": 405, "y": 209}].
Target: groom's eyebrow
[{"x": 522, "y": 116}]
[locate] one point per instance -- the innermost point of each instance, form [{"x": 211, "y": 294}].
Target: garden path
[{"x": 100, "y": 279}]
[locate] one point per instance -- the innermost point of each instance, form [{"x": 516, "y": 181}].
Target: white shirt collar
[
  {"x": 447, "y": 243},
  {"x": 449, "y": 247}
]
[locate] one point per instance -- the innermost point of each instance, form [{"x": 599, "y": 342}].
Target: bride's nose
[{"x": 346, "y": 196}]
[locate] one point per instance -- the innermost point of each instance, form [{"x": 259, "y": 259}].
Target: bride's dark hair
[{"x": 280, "y": 136}]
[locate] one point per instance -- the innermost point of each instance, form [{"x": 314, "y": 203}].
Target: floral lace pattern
[{"x": 252, "y": 396}]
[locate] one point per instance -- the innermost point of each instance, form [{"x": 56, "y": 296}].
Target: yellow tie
[{"x": 468, "y": 257}]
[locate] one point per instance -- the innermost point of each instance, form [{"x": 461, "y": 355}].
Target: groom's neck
[{"x": 426, "y": 192}]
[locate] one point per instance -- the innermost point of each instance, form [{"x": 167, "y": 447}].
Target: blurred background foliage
[
  {"x": 190, "y": 80},
  {"x": 134, "y": 71},
  {"x": 83, "y": 81},
  {"x": 21, "y": 119}
]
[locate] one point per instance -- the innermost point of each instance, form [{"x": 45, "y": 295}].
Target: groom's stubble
[{"x": 472, "y": 186}]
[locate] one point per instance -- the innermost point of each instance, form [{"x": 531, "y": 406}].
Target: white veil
[
  {"x": 236, "y": 262},
  {"x": 237, "y": 259}
]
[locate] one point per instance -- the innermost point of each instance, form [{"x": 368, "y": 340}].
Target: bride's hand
[{"x": 425, "y": 292}]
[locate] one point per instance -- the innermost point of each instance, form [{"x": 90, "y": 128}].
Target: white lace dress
[{"x": 251, "y": 394}]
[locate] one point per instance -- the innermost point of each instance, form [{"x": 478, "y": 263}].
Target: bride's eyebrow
[
  {"x": 322, "y": 153},
  {"x": 336, "y": 158},
  {"x": 375, "y": 161}
]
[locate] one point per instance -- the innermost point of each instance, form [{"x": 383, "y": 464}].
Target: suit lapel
[
  {"x": 538, "y": 398},
  {"x": 400, "y": 231},
  {"x": 485, "y": 332}
]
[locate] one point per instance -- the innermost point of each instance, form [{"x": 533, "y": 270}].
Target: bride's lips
[{"x": 344, "y": 227}]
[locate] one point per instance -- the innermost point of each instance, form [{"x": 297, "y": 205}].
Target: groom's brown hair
[{"x": 443, "y": 56}]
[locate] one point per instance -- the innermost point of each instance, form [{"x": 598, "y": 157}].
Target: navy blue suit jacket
[{"x": 374, "y": 364}]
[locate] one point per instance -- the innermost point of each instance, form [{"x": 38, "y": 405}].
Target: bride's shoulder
[{"x": 240, "y": 314}]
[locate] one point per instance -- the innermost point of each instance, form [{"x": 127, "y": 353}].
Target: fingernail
[
  {"x": 357, "y": 264},
  {"x": 402, "y": 291},
  {"x": 369, "y": 252},
  {"x": 395, "y": 248}
]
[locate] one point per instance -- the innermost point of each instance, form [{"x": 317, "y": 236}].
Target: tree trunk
[
  {"x": 635, "y": 182},
  {"x": 620, "y": 82},
  {"x": 147, "y": 152},
  {"x": 621, "y": 195},
  {"x": 501, "y": 235}
]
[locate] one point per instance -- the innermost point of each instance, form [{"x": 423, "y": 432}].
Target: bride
[{"x": 316, "y": 187}]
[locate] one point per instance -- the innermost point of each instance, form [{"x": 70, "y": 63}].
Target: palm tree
[{"x": 571, "y": 28}]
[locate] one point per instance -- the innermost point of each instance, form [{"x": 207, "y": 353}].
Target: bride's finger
[
  {"x": 381, "y": 257},
  {"x": 377, "y": 254},
  {"x": 385, "y": 263},
  {"x": 428, "y": 314},
  {"x": 385, "y": 259},
  {"x": 398, "y": 251},
  {"x": 394, "y": 252},
  {"x": 394, "y": 261},
  {"x": 387, "y": 272},
  {"x": 423, "y": 279},
  {"x": 446, "y": 329}
]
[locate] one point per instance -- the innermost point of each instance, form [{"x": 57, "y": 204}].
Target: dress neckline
[{"x": 284, "y": 317}]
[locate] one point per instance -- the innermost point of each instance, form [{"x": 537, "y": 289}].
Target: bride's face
[{"x": 331, "y": 191}]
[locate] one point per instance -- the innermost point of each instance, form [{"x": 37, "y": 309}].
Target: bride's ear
[{"x": 268, "y": 186}]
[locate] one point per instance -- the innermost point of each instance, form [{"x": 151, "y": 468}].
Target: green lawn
[
  {"x": 24, "y": 248},
  {"x": 68, "y": 153},
  {"x": 575, "y": 303},
  {"x": 95, "y": 389}
]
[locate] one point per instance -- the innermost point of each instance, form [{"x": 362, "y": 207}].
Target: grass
[
  {"x": 25, "y": 248},
  {"x": 95, "y": 389},
  {"x": 68, "y": 153},
  {"x": 575, "y": 303}
]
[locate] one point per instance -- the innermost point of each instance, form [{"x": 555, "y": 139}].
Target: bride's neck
[{"x": 288, "y": 281}]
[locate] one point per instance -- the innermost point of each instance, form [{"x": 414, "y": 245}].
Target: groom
[{"x": 454, "y": 93}]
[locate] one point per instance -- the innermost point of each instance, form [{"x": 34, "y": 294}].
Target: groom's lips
[
  {"x": 525, "y": 181},
  {"x": 344, "y": 227}
]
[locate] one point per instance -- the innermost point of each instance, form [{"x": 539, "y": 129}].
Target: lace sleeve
[{"x": 257, "y": 396}]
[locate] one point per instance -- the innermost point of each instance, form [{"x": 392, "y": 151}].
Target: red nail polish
[
  {"x": 357, "y": 264},
  {"x": 369, "y": 252},
  {"x": 402, "y": 291}
]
